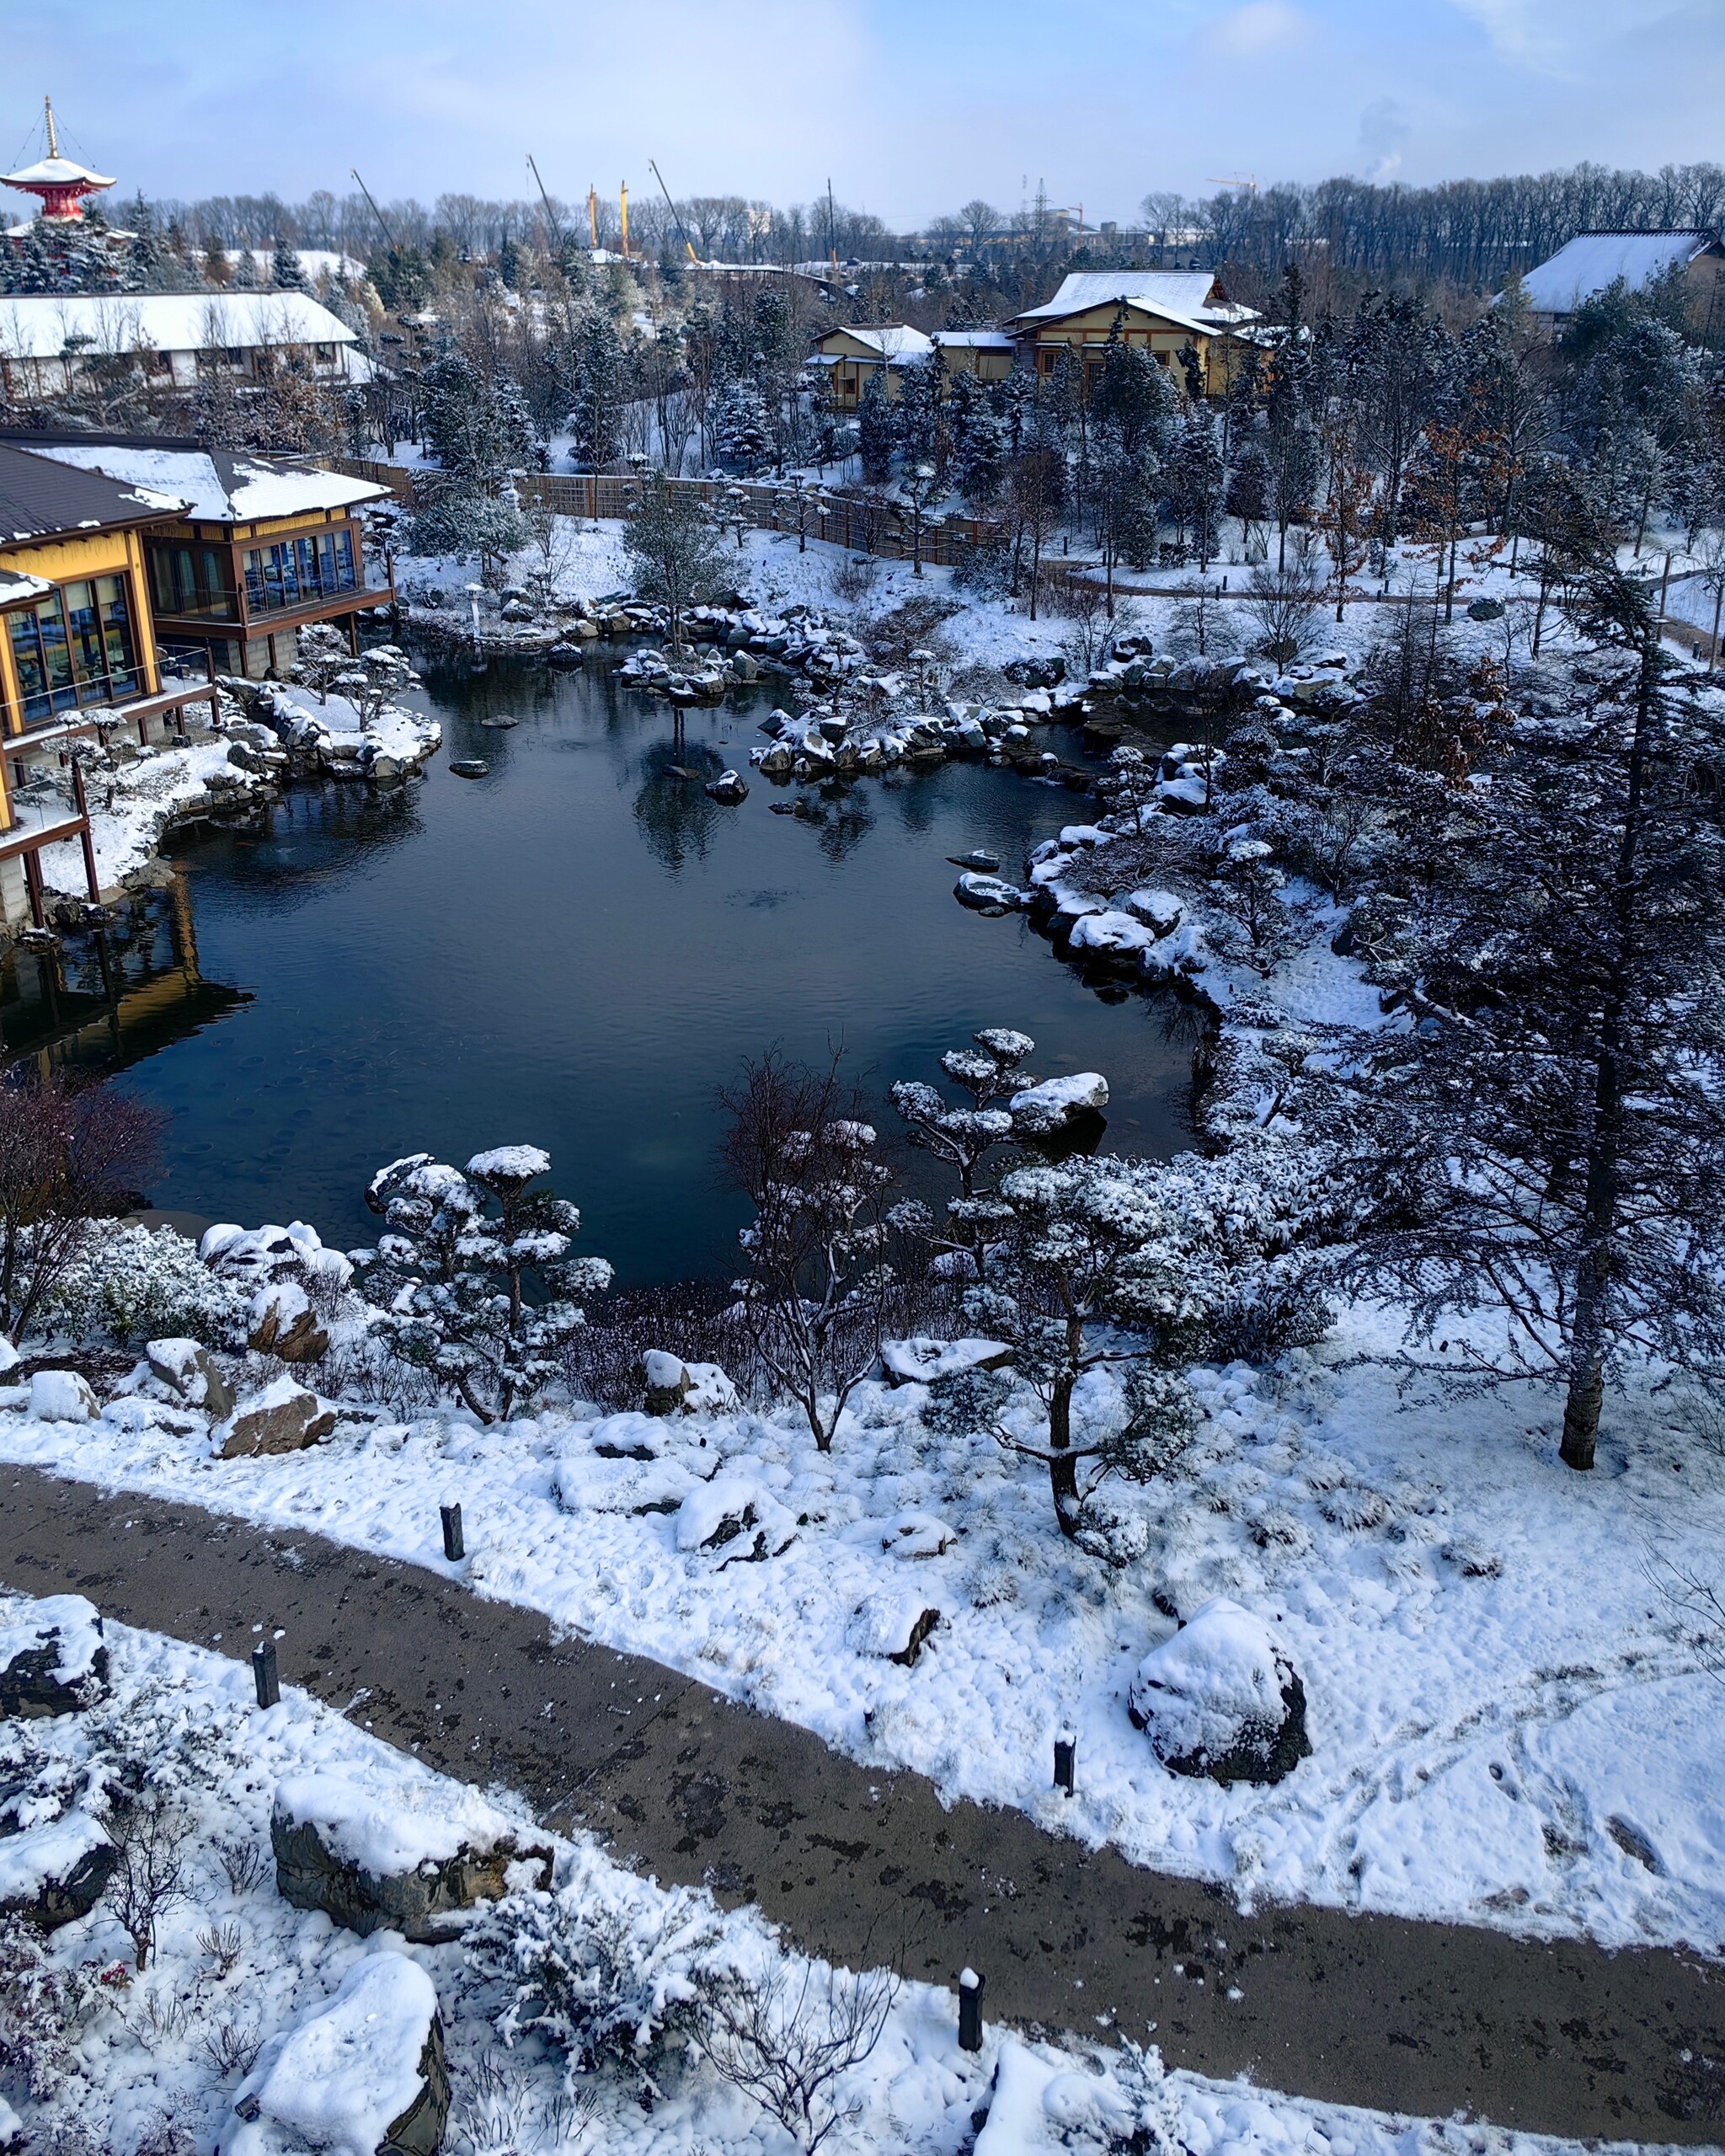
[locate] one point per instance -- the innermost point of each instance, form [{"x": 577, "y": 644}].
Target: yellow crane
[{"x": 653, "y": 167}]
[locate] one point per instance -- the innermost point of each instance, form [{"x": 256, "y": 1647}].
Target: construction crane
[
  {"x": 376, "y": 212},
  {"x": 593, "y": 213},
  {"x": 1249, "y": 181},
  {"x": 671, "y": 205},
  {"x": 550, "y": 214},
  {"x": 623, "y": 187}
]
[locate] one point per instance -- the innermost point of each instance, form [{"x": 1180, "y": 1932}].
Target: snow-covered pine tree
[
  {"x": 675, "y": 550},
  {"x": 599, "y": 390},
  {"x": 467, "y": 1256},
  {"x": 742, "y": 428},
  {"x": 285, "y": 272},
  {"x": 879, "y": 431}
]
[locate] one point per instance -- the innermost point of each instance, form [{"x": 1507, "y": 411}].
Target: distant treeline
[{"x": 1471, "y": 233}]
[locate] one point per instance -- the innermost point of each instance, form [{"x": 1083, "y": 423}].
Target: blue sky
[{"x": 910, "y": 106}]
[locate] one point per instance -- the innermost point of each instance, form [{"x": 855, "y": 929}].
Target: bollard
[
  {"x": 263, "y": 1671},
  {"x": 970, "y": 2011},
  {"x": 1066, "y": 1759},
  {"x": 453, "y": 1546}
]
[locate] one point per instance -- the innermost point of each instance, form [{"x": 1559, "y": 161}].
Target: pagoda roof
[{"x": 54, "y": 172}]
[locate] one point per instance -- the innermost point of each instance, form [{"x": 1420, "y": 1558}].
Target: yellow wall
[
  {"x": 1091, "y": 329},
  {"x": 66, "y": 561}
]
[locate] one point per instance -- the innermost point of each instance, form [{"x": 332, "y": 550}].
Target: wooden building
[
  {"x": 247, "y": 551},
  {"x": 77, "y": 655},
  {"x": 854, "y": 354},
  {"x": 1164, "y": 311},
  {"x": 1593, "y": 261},
  {"x": 177, "y": 338}
]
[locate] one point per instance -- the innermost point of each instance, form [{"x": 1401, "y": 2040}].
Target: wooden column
[
  {"x": 32, "y": 885},
  {"x": 81, "y": 800}
]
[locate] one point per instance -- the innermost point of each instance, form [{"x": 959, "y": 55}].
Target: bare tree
[
  {"x": 149, "y": 1830},
  {"x": 787, "y": 2039},
  {"x": 818, "y": 1285},
  {"x": 1282, "y": 604},
  {"x": 68, "y": 1154}
]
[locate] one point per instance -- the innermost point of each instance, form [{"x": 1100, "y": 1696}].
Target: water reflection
[{"x": 578, "y": 948}]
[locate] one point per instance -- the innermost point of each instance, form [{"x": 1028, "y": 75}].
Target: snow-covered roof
[
  {"x": 37, "y": 325},
  {"x": 314, "y": 262},
  {"x": 988, "y": 341},
  {"x": 894, "y": 341},
  {"x": 219, "y": 487},
  {"x": 17, "y": 590},
  {"x": 1592, "y": 260},
  {"x": 1184, "y": 295},
  {"x": 54, "y": 172}
]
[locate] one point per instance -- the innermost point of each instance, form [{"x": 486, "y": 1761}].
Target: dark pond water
[{"x": 576, "y": 951}]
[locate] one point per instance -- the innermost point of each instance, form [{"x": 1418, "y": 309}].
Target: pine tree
[
  {"x": 675, "y": 550},
  {"x": 599, "y": 388},
  {"x": 1249, "y": 494},
  {"x": 245, "y": 270},
  {"x": 285, "y": 270},
  {"x": 979, "y": 441},
  {"x": 1195, "y": 482},
  {"x": 508, "y": 263},
  {"x": 742, "y": 429},
  {"x": 148, "y": 253},
  {"x": 878, "y": 430},
  {"x": 920, "y": 395}
]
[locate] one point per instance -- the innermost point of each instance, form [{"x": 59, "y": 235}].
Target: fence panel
[{"x": 858, "y": 522}]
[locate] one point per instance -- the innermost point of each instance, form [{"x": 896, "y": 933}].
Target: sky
[{"x": 910, "y": 107}]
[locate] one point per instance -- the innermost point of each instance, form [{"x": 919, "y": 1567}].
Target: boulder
[
  {"x": 283, "y": 1418},
  {"x": 983, "y": 891},
  {"x": 735, "y": 1517},
  {"x": 891, "y": 1626},
  {"x": 62, "y": 1396},
  {"x": 407, "y": 1859},
  {"x": 1221, "y": 1699},
  {"x": 919, "y": 1360},
  {"x": 54, "y": 1874},
  {"x": 728, "y": 787},
  {"x": 192, "y": 1372},
  {"x": 1039, "y": 1110},
  {"x": 52, "y": 1658},
  {"x": 564, "y": 653},
  {"x": 675, "y": 1387},
  {"x": 365, "y": 2072},
  {"x": 283, "y": 1324}
]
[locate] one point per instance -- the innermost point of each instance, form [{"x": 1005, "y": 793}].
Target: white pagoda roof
[{"x": 54, "y": 172}]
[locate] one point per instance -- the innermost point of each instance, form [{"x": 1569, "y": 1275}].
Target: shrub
[{"x": 136, "y": 1284}]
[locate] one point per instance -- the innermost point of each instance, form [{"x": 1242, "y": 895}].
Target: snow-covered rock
[
  {"x": 736, "y": 1517},
  {"x": 283, "y": 1418},
  {"x": 407, "y": 1859},
  {"x": 973, "y": 889},
  {"x": 1056, "y": 1102},
  {"x": 892, "y": 1625},
  {"x": 365, "y": 2070},
  {"x": 281, "y": 1322},
  {"x": 675, "y": 1387},
  {"x": 52, "y": 1657},
  {"x": 1221, "y": 1699},
  {"x": 920, "y": 1360},
  {"x": 62, "y": 1396},
  {"x": 54, "y": 1874},
  {"x": 190, "y": 1369}
]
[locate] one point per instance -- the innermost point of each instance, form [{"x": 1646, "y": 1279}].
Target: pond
[{"x": 575, "y": 951}]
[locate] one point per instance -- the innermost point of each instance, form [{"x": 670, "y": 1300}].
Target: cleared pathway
[{"x": 864, "y": 1866}]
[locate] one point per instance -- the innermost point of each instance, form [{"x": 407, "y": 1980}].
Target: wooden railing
[{"x": 864, "y": 523}]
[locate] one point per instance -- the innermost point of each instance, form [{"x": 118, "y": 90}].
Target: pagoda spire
[{"x": 61, "y": 182}]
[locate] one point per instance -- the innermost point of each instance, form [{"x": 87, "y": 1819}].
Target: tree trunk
[
  {"x": 1581, "y": 1416},
  {"x": 1063, "y": 1466}
]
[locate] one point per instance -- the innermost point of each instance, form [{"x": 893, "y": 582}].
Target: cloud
[
  {"x": 1384, "y": 133},
  {"x": 1553, "y": 34},
  {"x": 1260, "y": 27}
]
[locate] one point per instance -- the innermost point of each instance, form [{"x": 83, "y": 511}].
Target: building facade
[{"x": 1165, "y": 312}]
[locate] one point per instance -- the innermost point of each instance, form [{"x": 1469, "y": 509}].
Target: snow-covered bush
[
  {"x": 453, "y": 1274},
  {"x": 607, "y": 1968},
  {"x": 133, "y": 1284},
  {"x": 788, "y": 2036},
  {"x": 43, "y": 2006}
]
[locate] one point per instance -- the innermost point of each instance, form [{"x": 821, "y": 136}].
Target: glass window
[
  {"x": 113, "y": 608},
  {"x": 32, "y": 674},
  {"x": 345, "y": 559}
]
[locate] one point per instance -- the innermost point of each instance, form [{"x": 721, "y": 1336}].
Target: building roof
[
  {"x": 1593, "y": 260},
  {"x": 1182, "y": 295},
  {"x": 218, "y": 486},
  {"x": 892, "y": 340},
  {"x": 36, "y": 325},
  {"x": 40, "y": 498},
  {"x": 53, "y": 172},
  {"x": 987, "y": 340},
  {"x": 18, "y": 590}
]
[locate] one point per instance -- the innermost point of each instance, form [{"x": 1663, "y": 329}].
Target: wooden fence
[{"x": 864, "y": 523}]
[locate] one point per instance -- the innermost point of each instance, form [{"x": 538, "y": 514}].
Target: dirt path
[{"x": 862, "y": 1865}]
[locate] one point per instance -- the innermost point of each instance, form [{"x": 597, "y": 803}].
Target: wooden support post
[
  {"x": 263, "y": 1674},
  {"x": 970, "y": 2011},
  {"x": 81, "y": 800},
  {"x": 32, "y": 885},
  {"x": 1065, "y": 1757},
  {"x": 353, "y": 634},
  {"x": 454, "y": 1546}
]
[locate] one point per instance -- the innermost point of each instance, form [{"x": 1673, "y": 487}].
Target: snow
[
  {"x": 342, "y": 2021},
  {"x": 1416, "y": 1564},
  {"x": 1217, "y": 1672},
  {"x": 342, "y": 2078},
  {"x": 1593, "y": 260},
  {"x": 1056, "y": 1101},
  {"x": 37, "y": 326},
  {"x": 429, "y": 1822},
  {"x": 62, "y": 1396},
  {"x": 69, "y": 1620},
  {"x": 254, "y": 488},
  {"x": 51, "y": 1851},
  {"x": 511, "y": 1161},
  {"x": 143, "y": 800}
]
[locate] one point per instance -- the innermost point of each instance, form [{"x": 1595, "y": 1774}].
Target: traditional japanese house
[{"x": 1167, "y": 312}]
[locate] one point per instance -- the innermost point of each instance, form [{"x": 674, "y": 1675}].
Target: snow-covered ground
[
  {"x": 252, "y": 2012},
  {"x": 1511, "y": 1723}
]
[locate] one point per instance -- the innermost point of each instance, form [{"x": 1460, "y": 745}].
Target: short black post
[
  {"x": 264, "y": 1671},
  {"x": 1066, "y": 1759},
  {"x": 453, "y": 1546},
  {"x": 970, "y": 2011}
]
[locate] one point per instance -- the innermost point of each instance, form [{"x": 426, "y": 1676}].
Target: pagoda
[{"x": 62, "y": 184}]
